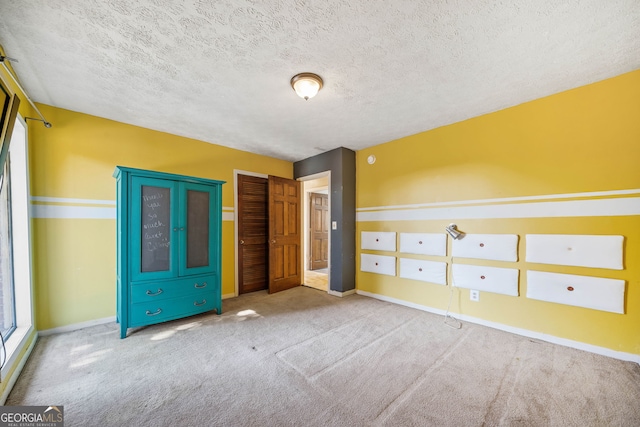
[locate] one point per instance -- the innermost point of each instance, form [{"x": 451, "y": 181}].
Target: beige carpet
[{"x": 305, "y": 358}]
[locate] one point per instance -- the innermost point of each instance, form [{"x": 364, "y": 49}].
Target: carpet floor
[{"x": 304, "y": 358}]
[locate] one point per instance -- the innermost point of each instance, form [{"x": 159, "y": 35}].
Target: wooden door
[
  {"x": 319, "y": 229},
  {"x": 285, "y": 236},
  {"x": 253, "y": 230}
]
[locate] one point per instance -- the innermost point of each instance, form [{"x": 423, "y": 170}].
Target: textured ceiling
[{"x": 219, "y": 71}]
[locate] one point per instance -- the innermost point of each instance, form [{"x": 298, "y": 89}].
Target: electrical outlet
[{"x": 474, "y": 295}]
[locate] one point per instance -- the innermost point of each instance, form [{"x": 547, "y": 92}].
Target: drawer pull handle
[
  {"x": 196, "y": 303},
  {"x": 482, "y": 245},
  {"x": 420, "y": 242},
  {"x": 377, "y": 240},
  {"x": 204, "y": 285},
  {"x": 420, "y": 269},
  {"x": 155, "y": 313},
  {"x": 151, "y": 294},
  {"x": 570, "y": 288},
  {"x": 482, "y": 277}
]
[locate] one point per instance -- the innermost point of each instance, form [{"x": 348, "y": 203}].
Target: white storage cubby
[
  {"x": 581, "y": 291},
  {"x": 426, "y": 271},
  {"x": 499, "y": 247},
  {"x": 423, "y": 243},
  {"x": 487, "y": 279},
  {"x": 575, "y": 249},
  {"x": 378, "y": 240},
  {"x": 379, "y": 264}
]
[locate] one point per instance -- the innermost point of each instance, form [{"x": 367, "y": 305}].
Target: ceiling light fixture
[{"x": 306, "y": 85}]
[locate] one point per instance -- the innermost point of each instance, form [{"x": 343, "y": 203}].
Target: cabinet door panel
[
  {"x": 197, "y": 218},
  {"x": 153, "y": 214}
]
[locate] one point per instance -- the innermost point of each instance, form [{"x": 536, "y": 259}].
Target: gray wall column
[{"x": 342, "y": 164}]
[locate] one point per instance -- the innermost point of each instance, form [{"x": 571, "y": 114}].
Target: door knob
[
  {"x": 273, "y": 241},
  {"x": 242, "y": 242}
]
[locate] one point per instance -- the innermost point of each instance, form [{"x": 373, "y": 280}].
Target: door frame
[
  {"x": 237, "y": 172},
  {"x": 305, "y": 216},
  {"x": 305, "y": 239}
]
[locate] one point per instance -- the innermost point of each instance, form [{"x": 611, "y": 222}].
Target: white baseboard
[
  {"x": 76, "y": 326},
  {"x": 629, "y": 357},
  {"x": 341, "y": 294},
  {"x": 227, "y": 296},
  {"x": 82, "y": 325},
  {"x": 11, "y": 379}
]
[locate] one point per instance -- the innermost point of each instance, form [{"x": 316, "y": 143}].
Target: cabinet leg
[{"x": 123, "y": 331}]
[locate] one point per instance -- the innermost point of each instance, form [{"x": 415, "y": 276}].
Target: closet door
[
  {"x": 197, "y": 230},
  {"x": 154, "y": 229}
]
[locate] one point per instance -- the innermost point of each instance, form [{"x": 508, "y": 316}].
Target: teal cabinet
[{"x": 168, "y": 246}]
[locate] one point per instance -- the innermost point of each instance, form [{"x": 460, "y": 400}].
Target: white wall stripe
[
  {"x": 73, "y": 201},
  {"x": 507, "y": 199},
  {"x": 574, "y": 208},
  {"x": 72, "y": 212},
  {"x": 87, "y": 212}
]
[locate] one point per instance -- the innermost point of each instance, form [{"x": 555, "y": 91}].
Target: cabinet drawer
[
  {"x": 378, "y": 240},
  {"x": 167, "y": 289},
  {"x": 581, "y": 291},
  {"x": 580, "y": 250},
  {"x": 426, "y": 271},
  {"x": 499, "y": 247},
  {"x": 487, "y": 279},
  {"x": 379, "y": 264},
  {"x": 423, "y": 243},
  {"x": 147, "y": 313}
]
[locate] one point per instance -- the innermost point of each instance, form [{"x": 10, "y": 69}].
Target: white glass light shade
[{"x": 306, "y": 85}]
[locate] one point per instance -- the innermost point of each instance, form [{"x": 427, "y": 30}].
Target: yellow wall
[
  {"x": 74, "y": 265},
  {"x": 582, "y": 140}
]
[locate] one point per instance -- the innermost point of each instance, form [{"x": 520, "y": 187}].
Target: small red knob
[
  {"x": 482, "y": 277},
  {"x": 482, "y": 245},
  {"x": 376, "y": 263},
  {"x": 569, "y": 288},
  {"x": 377, "y": 240}
]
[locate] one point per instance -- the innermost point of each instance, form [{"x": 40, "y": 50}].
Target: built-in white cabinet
[
  {"x": 499, "y": 247},
  {"x": 581, "y": 291},
  {"x": 559, "y": 249}
]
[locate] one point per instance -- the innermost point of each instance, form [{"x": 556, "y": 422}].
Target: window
[
  {"x": 15, "y": 253},
  {"x": 7, "y": 300}
]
